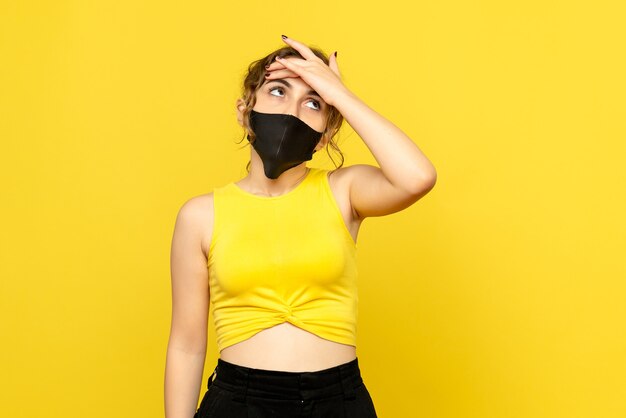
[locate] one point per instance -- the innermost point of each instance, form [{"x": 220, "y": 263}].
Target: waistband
[{"x": 285, "y": 385}]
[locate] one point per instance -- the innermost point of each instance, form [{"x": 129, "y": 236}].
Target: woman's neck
[{"x": 258, "y": 183}]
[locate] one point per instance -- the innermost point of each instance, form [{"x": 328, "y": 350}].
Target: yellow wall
[{"x": 501, "y": 294}]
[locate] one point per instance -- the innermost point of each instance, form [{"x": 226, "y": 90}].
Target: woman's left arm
[{"x": 405, "y": 174}]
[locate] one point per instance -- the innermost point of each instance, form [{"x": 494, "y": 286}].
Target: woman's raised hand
[{"x": 324, "y": 79}]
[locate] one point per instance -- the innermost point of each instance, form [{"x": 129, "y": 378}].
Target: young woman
[{"x": 275, "y": 252}]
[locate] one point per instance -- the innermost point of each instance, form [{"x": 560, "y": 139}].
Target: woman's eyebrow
[{"x": 286, "y": 83}]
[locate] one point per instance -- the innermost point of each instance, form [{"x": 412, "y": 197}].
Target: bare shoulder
[
  {"x": 197, "y": 214},
  {"x": 345, "y": 175},
  {"x": 351, "y": 171},
  {"x": 341, "y": 180},
  {"x": 372, "y": 194}
]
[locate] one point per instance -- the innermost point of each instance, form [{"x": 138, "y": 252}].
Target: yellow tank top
[{"x": 282, "y": 258}]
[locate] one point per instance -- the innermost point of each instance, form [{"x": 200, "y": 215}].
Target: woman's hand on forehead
[
  {"x": 324, "y": 79},
  {"x": 277, "y": 70}
]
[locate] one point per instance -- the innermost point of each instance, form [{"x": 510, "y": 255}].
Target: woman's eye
[
  {"x": 316, "y": 104},
  {"x": 275, "y": 89}
]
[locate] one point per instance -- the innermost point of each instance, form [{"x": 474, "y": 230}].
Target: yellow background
[{"x": 501, "y": 294}]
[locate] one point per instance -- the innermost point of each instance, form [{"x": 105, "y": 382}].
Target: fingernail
[
  {"x": 335, "y": 54},
  {"x": 267, "y": 66},
  {"x": 279, "y": 58},
  {"x": 267, "y": 74},
  {"x": 283, "y": 36}
]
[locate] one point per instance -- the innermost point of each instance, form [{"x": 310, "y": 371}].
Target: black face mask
[{"x": 282, "y": 141}]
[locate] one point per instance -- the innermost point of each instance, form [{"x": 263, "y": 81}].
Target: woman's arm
[
  {"x": 186, "y": 350},
  {"x": 405, "y": 174}
]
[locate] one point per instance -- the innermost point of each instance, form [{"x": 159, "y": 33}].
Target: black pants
[{"x": 243, "y": 392}]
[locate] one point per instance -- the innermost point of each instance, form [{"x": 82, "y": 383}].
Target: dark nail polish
[
  {"x": 267, "y": 74},
  {"x": 284, "y": 37},
  {"x": 267, "y": 66},
  {"x": 335, "y": 54}
]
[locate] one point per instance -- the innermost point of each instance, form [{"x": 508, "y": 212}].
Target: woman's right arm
[{"x": 186, "y": 349}]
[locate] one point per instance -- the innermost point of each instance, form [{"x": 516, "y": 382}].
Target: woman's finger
[
  {"x": 304, "y": 50},
  {"x": 272, "y": 75},
  {"x": 274, "y": 66},
  {"x": 291, "y": 63},
  {"x": 332, "y": 63}
]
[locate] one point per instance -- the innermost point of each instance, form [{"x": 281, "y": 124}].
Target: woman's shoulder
[
  {"x": 196, "y": 205},
  {"x": 350, "y": 171},
  {"x": 203, "y": 203},
  {"x": 196, "y": 213},
  {"x": 341, "y": 177},
  {"x": 344, "y": 177}
]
